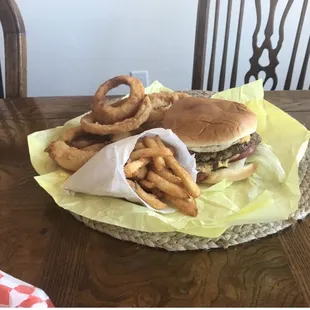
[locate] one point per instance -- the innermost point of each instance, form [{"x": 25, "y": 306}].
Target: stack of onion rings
[
  {"x": 126, "y": 108},
  {"x": 89, "y": 124},
  {"x": 108, "y": 123}
]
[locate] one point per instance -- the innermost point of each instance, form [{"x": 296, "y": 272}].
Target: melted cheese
[
  {"x": 222, "y": 163},
  {"x": 208, "y": 168},
  {"x": 204, "y": 168},
  {"x": 245, "y": 139}
]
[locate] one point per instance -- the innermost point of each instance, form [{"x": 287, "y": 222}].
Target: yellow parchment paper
[{"x": 271, "y": 194}]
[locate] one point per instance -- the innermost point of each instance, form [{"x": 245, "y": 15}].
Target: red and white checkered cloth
[{"x": 15, "y": 293}]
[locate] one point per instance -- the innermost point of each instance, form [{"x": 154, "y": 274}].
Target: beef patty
[{"x": 237, "y": 148}]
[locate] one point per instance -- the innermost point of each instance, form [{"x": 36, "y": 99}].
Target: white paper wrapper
[{"x": 103, "y": 175}]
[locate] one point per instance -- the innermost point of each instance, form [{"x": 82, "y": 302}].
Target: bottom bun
[{"x": 226, "y": 174}]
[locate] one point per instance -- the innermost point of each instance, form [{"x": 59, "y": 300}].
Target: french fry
[
  {"x": 186, "y": 206},
  {"x": 148, "y": 198},
  {"x": 166, "y": 186},
  {"x": 142, "y": 173},
  {"x": 191, "y": 187},
  {"x": 168, "y": 175},
  {"x": 164, "y": 180},
  {"x": 162, "y": 145},
  {"x": 158, "y": 193},
  {"x": 132, "y": 168},
  {"x": 149, "y": 152},
  {"x": 159, "y": 162},
  {"x": 146, "y": 184},
  {"x": 139, "y": 145}
]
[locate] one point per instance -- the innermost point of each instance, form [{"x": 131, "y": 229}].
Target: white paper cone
[{"x": 103, "y": 175}]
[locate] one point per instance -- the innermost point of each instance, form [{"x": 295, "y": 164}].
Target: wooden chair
[
  {"x": 255, "y": 68},
  {"x": 14, "y": 51}
]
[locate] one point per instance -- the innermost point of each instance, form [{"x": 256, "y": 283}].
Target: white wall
[{"x": 74, "y": 45}]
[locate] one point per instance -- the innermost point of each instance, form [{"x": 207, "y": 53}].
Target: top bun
[{"x": 209, "y": 125}]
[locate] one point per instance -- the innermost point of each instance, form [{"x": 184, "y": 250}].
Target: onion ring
[
  {"x": 80, "y": 139},
  {"x": 89, "y": 124},
  {"x": 95, "y": 147},
  {"x": 126, "y": 108},
  {"x": 71, "y": 134},
  {"x": 120, "y": 136},
  {"x": 71, "y": 158},
  {"x": 161, "y": 102}
]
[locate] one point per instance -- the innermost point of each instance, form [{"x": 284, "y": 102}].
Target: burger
[{"x": 221, "y": 134}]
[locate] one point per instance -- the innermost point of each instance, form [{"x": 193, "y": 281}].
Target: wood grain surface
[
  {"x": 42, "y": 244},
  {"x": 15, "y": 51}
]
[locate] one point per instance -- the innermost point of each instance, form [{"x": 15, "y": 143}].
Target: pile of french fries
[{"x": 157, "y": 178}]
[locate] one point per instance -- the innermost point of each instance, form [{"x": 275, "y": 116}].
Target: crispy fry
[
  {"x": 132, "y": 169},
  {"x": 150, "y": 142},
  {"x": 139, "y": 145},
  {"x": 148, "y": 198},
  {"x": 149, "y": 152},
  {"x": 163, "y": 146},
  {"x": 170, "y": 181},
  {"x": 192, "y": 188},
  {"x": 159, "y": 162},
  {"x": 166, "y": 186},
  {"x": 171, "y": 149},
  {"x": 169, "y": 176},
  {"x": 186, "y": 206},
  {"x": 146, "y": 184},
  {"x": 142, "y": 173},
  {"x": 157, "y": 192}
]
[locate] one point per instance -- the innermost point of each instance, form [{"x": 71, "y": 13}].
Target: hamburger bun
[
  {"x": 209, "y": 125},
  {"x": 228, "y": 174}
]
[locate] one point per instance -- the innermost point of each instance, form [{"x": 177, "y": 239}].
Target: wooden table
[{"x": 42, "y": 244}]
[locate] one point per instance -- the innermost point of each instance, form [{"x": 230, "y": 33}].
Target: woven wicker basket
[{"x": 175, "y": 241}]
